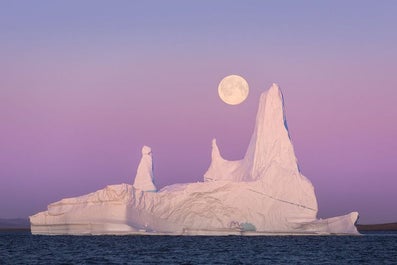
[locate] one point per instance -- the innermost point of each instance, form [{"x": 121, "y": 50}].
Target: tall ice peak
[
  {"x": 270, "y": 143},
  {"x": 270, "y": 157}
]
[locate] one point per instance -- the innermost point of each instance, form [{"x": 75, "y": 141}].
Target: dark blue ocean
[{"x": 371, "y": 248}]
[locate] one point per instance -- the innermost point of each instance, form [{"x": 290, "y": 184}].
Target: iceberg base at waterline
[
  {"x": 195, "y": 209},
  {"x": 262, "y": 194}
]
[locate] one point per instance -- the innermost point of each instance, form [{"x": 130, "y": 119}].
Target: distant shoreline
[
  {"x": 378, "y": 227},
  {"x": 5, "y": 229},
  {"x": 360, "y": 228},
  {"x": 20, "y": 224}
]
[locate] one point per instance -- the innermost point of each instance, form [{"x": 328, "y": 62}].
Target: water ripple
[{"x": 24, "y": 248}]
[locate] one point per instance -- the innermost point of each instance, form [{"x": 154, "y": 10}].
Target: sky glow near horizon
[{"x": 85, "y": 85}]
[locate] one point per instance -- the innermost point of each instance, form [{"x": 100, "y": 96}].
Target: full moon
[{"x": 233, "y": 89}]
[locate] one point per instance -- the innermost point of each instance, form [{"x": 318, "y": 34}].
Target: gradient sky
[{"x": 84, "y": 84}]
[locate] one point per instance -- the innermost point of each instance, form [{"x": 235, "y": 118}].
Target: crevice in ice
[{"x": 271, "y": 197}]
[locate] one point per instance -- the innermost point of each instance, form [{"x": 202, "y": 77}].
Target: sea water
[{"x": 370, "y": 248}]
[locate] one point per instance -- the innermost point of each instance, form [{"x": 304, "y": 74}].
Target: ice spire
[
  {"x": 144, "y": 175},
  {"x": 270, "y": 143}
]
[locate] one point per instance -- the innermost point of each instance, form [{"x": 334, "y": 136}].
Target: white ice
[
  {"x": 262, "y": 194},
  {"x": 144, "y": 175}
]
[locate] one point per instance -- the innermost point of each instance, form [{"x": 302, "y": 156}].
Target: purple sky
[{"x": 84, "y": 84}]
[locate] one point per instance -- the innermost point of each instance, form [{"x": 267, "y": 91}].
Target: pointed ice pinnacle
[
  {"x": 144, "y": 175},
  {"x": 270, "y": 156}
]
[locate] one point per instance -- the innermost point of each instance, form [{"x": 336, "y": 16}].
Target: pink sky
[{"x": 84, "y": 86}]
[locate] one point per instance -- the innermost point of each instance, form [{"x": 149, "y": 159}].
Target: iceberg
[{"x": 263, "y": 194}]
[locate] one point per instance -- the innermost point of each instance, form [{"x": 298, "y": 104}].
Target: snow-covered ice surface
[{"x": 262, "y": 194}]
